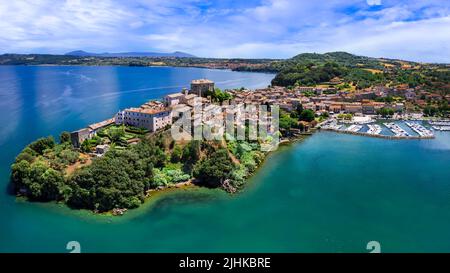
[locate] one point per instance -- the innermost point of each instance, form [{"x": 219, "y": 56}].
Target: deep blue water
[
  {"x": 329, "y": 193},
  {"x": 38, "y": 101}
]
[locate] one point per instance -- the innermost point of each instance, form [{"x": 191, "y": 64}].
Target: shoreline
[
  {"x": 153, "y": 195},
  {"x": 143, "y": 66}
]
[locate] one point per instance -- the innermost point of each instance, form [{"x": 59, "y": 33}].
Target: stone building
[{"x": 201, "y": 86}]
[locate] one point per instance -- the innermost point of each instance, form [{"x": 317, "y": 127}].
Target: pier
[
  {"x": 440, "y": 125},
  {"x": 354, "y": 128},
  {"x": 419, "y": 129},
  {"x": 374, "y": 129},
  {"x": 441, "y": 128},
  {"x": 397, "y": 130}
]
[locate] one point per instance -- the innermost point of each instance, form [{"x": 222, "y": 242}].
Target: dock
[
  {"x": 374, "y": 129},
  {"x": 397, "y": 130},
  {"x": 354, "y": 128},
  {"x": 419, "y": 129},
  {"x": 395, "y": 137}
]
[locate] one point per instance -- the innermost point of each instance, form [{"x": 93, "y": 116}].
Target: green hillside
[{"x": 345, "y": 69}]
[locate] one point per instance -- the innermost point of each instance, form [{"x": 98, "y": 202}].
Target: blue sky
[{"x": 412, "y": 30}]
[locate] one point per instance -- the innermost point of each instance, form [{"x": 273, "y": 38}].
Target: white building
[{"x": 151, "y": 119}]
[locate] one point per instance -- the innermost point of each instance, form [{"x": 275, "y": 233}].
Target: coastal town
[
  {"x": 347, "y": 112},
  {"x": 117, "y": 163},
  {"x": 211, "y": 135}
]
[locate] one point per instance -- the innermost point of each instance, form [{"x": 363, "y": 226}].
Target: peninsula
[{"x": 115, "y": 164}]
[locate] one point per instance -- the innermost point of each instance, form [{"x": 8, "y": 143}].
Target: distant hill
[
  {"x": 342, "y": 70},
  {"x": 358, "y": 72},
  {"x": 177, "y": 54},
  {"x": 339, "y": 57}
]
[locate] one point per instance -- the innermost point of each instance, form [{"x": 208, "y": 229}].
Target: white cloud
[
  {"x": 416, "y": 30},
  {"x": 373, "y": 2}
]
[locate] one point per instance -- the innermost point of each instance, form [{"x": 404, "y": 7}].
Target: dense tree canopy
[
  {"x": 386, "y": 112},
  {"x": 307, "y": 115},
  {"x": 214, "y": 169}
]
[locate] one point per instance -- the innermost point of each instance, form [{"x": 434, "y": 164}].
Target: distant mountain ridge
[{"x": 177, "y": 54}]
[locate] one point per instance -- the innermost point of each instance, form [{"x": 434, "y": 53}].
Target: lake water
[{"x": 329, "y": 193}]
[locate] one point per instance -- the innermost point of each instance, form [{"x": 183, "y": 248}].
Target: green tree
[
  {"x": 430, "y": 110},
  {"x": 42, "y": 144},
  {"x": 64, "y": 137},
  {"x": 176, "y": 154},
  {"x": 116, "y": 133},
  {"x": 86, "y": 146},
  {"x": 20, "y": 174},
  {"x": 52, "y": 183},
  {"x": 299, "y": 109},
  {"x": 27, "y": 154},
  {"x": 191, "y": 152},
  {"x": 286, "y": 121},
  {"x": 307, "y": 115},
  {"x": 214, "y": 169},
  {"x": 386, "y": 112}
]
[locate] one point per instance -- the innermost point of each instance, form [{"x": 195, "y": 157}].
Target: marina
[{"x": 395, "y": 131}]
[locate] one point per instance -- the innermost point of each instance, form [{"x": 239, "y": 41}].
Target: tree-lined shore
[{"x": 122, "y": 178}]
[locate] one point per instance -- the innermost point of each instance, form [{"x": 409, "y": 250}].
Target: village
[{"x": 332, "y": 106}]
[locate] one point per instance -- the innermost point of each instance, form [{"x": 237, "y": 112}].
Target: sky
[{"x": 411, "y": 30}]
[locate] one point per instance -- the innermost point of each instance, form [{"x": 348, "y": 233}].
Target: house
[
  {"x": 286, "y": 106},
  {"x": 189, "y": 99},
  {"x": 398, "y": 107},
  {"x": 368, "y": 108},
  {"x": 179, "y": 109},
  {"x": 365, "y": 95},
  {"x": 353, "y": 108},
  {"x": 101, "y": 149},
  {"x": 173, "y": 99},
  {"x": 309, "y": 106},
  {"x": 410, "y": 94},
  {"x": 378, "y": 105},
  {"x": 336, "y": 107}
]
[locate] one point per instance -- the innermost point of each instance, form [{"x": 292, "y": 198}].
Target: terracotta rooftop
[
  {"x": 101, "y": 124},
  {"x": 175, "y": 95},
  {"x": 150, "y": 111}
]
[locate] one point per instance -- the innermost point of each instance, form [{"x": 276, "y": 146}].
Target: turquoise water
[
  {"x": 329, "y": 193},
  {"x": 38, "y": 101}
]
